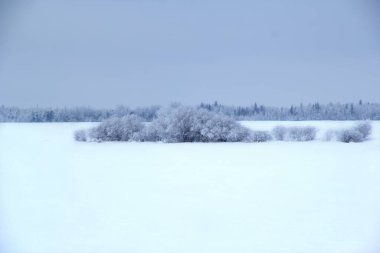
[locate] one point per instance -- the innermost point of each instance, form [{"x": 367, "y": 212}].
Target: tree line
[
  {"x": 77, "y": 114},
  {"x": 313, "y": 111}
]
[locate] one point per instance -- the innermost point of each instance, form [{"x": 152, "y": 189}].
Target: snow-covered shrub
[
  {"x": 364, "y": 128},
  {"x": 307, "y": 133},
  {"x": 279, "y": 133},
  {"x": 358, "y": 133},
  {"x": 126, "y": 128},
  {"x": 80, "y": 135},
  {"x": 213, "y": 127},
  {"x": 260, "y": 136},
  {"x": 350, "y": 135},
  {"x": 239, "y": 134},
  {"x": 188, "y": 124}
]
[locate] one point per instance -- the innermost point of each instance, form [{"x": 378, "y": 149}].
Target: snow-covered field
[{"x": 62, "y": 196}]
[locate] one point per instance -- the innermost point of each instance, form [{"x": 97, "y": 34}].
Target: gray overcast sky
[{"x": 141, "y": 52}]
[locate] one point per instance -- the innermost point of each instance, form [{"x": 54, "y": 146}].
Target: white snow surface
[{"x": 62, "y": 196}]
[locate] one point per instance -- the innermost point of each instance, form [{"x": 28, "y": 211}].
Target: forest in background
[{"x": 313, "y": 111}]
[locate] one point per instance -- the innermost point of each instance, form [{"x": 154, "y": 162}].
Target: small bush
[
  {"x": 350, "y": 135},
  {"x": 117, "y": 129},
  {"x": 80, "y": 135},
  {"x": 279, "y": 133},
  {"x": 307, "y": 133},
  {"x": 260, "y": 136},
  {"x": 239, "y": 134},
  {"x": 358, "y": 133},
  {"x": 364, "y": 128}
]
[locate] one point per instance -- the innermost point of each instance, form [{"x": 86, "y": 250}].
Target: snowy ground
[{"x": 61, "y": 196}]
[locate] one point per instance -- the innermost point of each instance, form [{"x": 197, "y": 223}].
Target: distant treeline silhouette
[{"x": 314, "y": 111}]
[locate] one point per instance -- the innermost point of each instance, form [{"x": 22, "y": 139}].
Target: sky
[{"x": 104, "y": 53}]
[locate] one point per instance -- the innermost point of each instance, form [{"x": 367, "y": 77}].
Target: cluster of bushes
[
  {"x": 176, "y": 124},
  {"x": 358, "y": 133},
  {"x": 189, "y": 124},
  {"x": 282, "y": 133}
]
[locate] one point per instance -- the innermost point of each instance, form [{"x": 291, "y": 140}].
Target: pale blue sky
[{"x": 140, "y": 52}]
